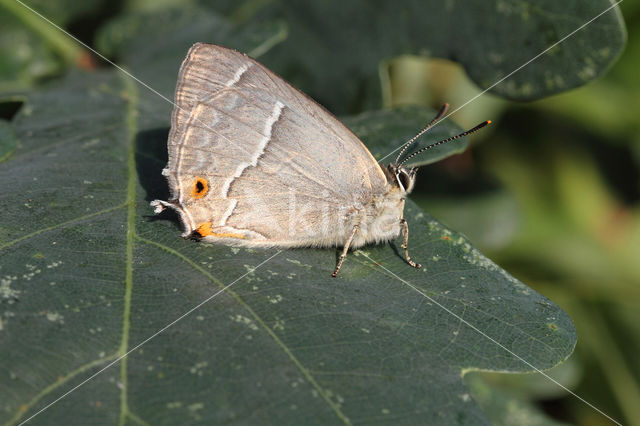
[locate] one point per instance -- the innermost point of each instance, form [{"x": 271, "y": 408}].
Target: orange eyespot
[{"x": 200, "y": 187}]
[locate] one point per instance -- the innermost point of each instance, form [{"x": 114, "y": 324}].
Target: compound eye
[
  {"x": 404, "y": 179},
  {"x": 199, "y": 188}
]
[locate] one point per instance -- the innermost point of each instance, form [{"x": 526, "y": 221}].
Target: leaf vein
[
  {"x": 60, "y": 225},
  {"x": 306, "y": 373}
]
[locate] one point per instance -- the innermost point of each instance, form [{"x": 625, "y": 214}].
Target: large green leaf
[{"x": 88, "y": 272}]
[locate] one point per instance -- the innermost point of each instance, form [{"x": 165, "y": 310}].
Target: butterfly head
[{"x": 402, "y": 177}]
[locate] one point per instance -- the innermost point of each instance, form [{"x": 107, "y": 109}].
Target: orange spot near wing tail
[{"x": 206, "y": 230}]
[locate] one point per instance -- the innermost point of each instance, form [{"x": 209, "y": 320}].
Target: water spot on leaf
[
  {"x": 55, "y": 317},
  {"x": 605, "y": 52},
  {"x": 279, "y": 324},
  {"x": 7, "y": 293},
  {"x": 275, "y": 299},
  {"x": 194, "y": 410},
  {"x": 297, "y": 262},
  {"x": 54, "y": 264},
  {"x": 197, "y": 369},
  {"x": 587, "y": 73},
  {"x": 251, "y": 275},
  {"x": 241, "y": 319}
]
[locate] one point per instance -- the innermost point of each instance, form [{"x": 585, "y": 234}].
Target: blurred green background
[{"x": 550, "y": 191}]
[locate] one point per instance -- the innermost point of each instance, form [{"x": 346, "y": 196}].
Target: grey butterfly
[{"x": 254, "y": 162}]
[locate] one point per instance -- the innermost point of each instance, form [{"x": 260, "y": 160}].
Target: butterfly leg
[
  {"x": 405, "y": 242},
  {"x": 345, "y": 250}
]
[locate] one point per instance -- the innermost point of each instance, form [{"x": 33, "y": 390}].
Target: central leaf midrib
[{"x": 131, "y": 128}]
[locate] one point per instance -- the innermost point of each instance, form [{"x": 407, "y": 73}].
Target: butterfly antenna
[
  {"x": 452, "y": 138},
  {"x": 441, "y": 113}
]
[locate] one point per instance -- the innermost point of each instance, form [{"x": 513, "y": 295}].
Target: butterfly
[{"x": 254, "y": 162}]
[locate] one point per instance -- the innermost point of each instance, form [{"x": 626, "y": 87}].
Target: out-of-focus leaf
[
  {"x": 386, "y": 131},
  {"x": 88, "y": 272},
  {"x": 23, "y": 57},
  {"x": 490, "y": 39},
  {"x": 570, "y": 221},
  {"x": 504, "y": 408},
  {"x": 536, "y": 386},
  {"x": 8, "y": 140},
  {"x": 61, "y": 12},
  {"x": 489, "y": 219},
  {"x": 608, "y": 108},
  {"x": 30, "y": 47}
]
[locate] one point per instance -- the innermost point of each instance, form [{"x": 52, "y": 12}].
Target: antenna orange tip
[{"x": 488, "y": 121}]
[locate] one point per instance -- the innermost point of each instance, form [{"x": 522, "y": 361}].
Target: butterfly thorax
[{"x": 379, "y": 221}]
